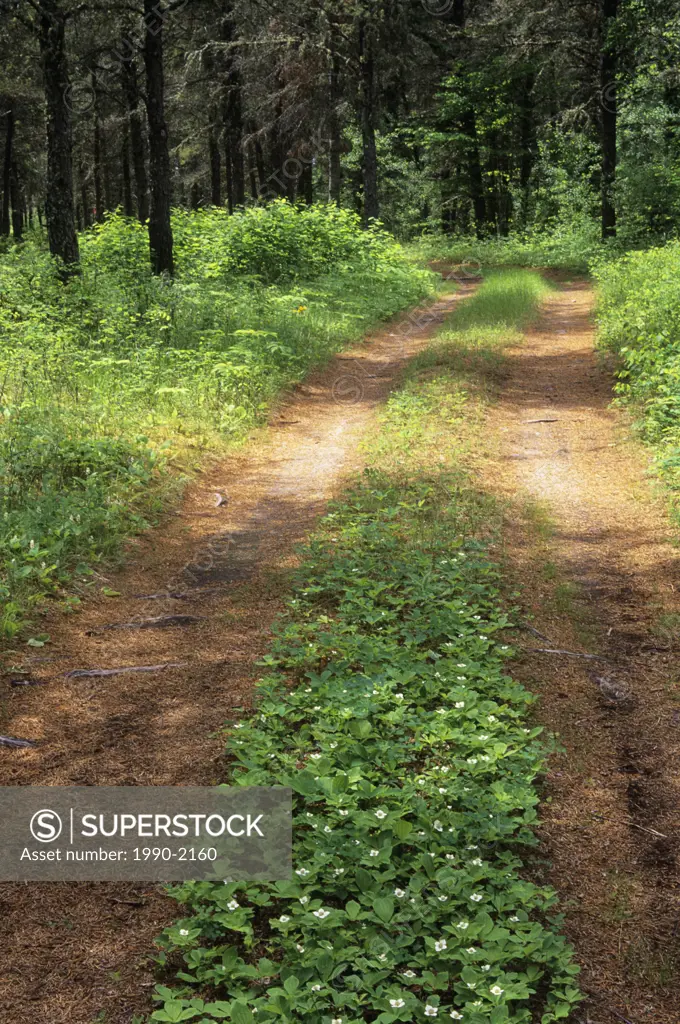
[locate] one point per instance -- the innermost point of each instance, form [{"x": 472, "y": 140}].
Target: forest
[{"x": 340, "y": 457}]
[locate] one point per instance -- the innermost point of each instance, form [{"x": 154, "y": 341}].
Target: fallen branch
[
  {"x": 553, "y": 420},
  {"x": 27, "y": 682},
  {"x": 158, "y": 622},
  {"x": 535, "y": 632},
  {"x": 633, "y": 824},
  {"x": 568, "y": 654},
  {"x": 96, "y": 673},
  {"x": 11, "y": 741},
  {"x": 175, "y": 595}
]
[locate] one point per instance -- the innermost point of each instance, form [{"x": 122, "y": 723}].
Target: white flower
[
  {"x": 471, "y": 950},
  {"x": 316, "y": 757},
  {"x": 459, "y": 704},
  {"x": 380, "y": 814},
  {"x": 343, "y": 813},
  {"x": 439, "y": 827},
  {"x": 336, "y": 1020},
  {"x": 304, "y": 899},
  {"x": 486, "y": 967},
  {"x": 461, "y": 679},
  {"x": 441, "y": 790},
  {"x": 184, "y": 931},
  {"x": 472, "y": 984},
  {"x": 441, "y": 711},
  {"x": 399, "y": 696},
  {"x": 450, "y": 856},
  {"x": 476, "y": 897},
  {"x": 284, "y": 919},
  {"x": 321, "y": 914},
  {"x": 484, "y": 757},
  {"x": 232, "y": 905},
  {"x": 374, "y": 853},
  {"x": 409, "y": 974},
  {"x": 399, "y": 893},
  {"x": 316, "y": 988},
  {"x": 397, "y": 1004},
  {"x": 471, "y": 847},
  {"x": 302, "y": 872},
  {"x": 463, "y": 925},
  {"x": 472, "y": 760},
  {"x": 338, "y": 871},
  {"x": 477, "y": 862},
  {"x": 440, "y": 945},
  {"x": 327, "y": 828},
  {"x": 456, "y": 1015},
  {"x": 382, "y": 957},
  {"x": 300, "y": 948},
  {"x": 496, "y": 990},
  {"x": 514, "y": 918},
  {"x": 491, "y": 718},
  {"x": 461, "y": 664},
  {"x": 442, "y": 899},
  {"x": 431, "y": 1011}
]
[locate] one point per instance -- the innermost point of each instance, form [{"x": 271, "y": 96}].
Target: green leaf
[
  {"x": 384, "y": 908},
  {"x": 240, "y": 1014}
]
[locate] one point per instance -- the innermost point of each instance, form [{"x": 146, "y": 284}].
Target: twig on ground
[
  {"x": 535, "y": 632},
  {"x": 12, "y": 741},
  {"x": 87, "y": 673},
  {"x": 634, "y": 824},
  {"x": 158, "y": 622},
  {"x": 569, "y": 654}
]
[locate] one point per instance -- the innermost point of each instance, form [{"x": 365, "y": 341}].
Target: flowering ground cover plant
[{"x": 387, "y": 709}]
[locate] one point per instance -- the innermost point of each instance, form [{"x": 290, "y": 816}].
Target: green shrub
[{"x": 639, "y": 321}]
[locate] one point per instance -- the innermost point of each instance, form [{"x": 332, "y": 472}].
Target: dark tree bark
[
  {"x": 128, "y": 205},
  {"x": 306, "y": 182},
  {"x": 97, "y": 155},
  {"x": 369, "y": 153},
  {"x": 59, "y": 207},
  {"x": 160, "y": 229},
  {"x": 334, "y": 135},
  {"x": 128, "y": 70},
  {"x": 84, "y": 195},
  {"x": 17, "y": 202},
  {"x": 233, "y": 115},
  {"x": 7, "y": 170},
  {"x": 608, "y": 117},
  {"x": 527, "y": 133},
  {"x": 215, "y": 167}
]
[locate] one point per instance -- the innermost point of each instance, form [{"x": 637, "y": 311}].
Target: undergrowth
[
  {"x": 387, "y": 709},
  {"x": 639, "y": 322},
  {"x": 114, "y": 386},
  {"x": 563, "y": 249}
]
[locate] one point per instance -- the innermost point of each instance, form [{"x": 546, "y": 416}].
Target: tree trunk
[
  {"x": 7, "y": 171},
  {"x": 369, "y": 152},
  {"x": 306, "y": 182},
  {"x": 608, "y": 117},
  {"x": 17, "y": 203},
  {"x": 334, "y": 140},
  {"x": 233, "y": 116},
  {"x": 59, "y": 207},
  {"x": 84, "y": 195},
  {"x": 160, "y": 230},
  {"x": 527, "y": 142},
  {"x": 128, "y": 70},
  {"x": 97, "y": 156},
  {"x": 215, "y": 167},
  {"x": 128, "y": 206}
]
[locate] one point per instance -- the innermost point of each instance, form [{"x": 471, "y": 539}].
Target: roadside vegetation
[
  {"x": 115, "y": 385},
  {"x": 387, "y": 707},
  {"x": 639, "y": 322}
]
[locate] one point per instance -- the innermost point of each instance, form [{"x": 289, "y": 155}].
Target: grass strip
[{"x": 387, "y": 708}]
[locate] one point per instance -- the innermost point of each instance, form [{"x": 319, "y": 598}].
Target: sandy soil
[{"x": 79, "y": 953}]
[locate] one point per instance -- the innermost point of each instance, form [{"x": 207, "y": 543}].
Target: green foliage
[
  {"x": 639, "y": 321},
  {"x": 562, "y": 247},
  {"x": 111, "y": 382},
  {"x": 387, "y": 710}
]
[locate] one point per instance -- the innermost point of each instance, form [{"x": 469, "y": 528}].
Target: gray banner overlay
[{"x": 148, "y": 834}]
